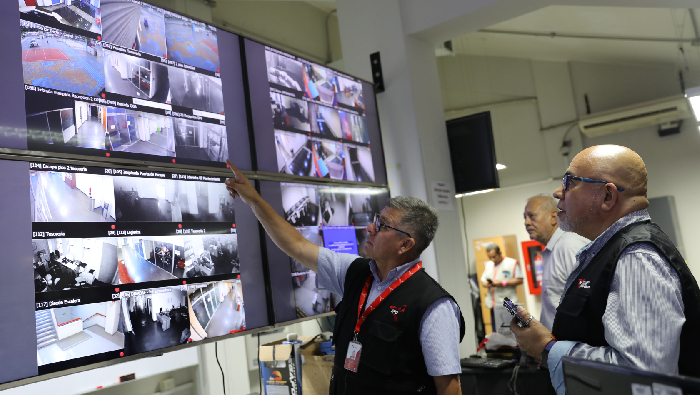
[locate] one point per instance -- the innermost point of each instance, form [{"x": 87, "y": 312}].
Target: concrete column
[{"x": 413, "y": 129}]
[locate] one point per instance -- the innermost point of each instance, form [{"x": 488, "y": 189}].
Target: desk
[{"x": 481, "y": 381}]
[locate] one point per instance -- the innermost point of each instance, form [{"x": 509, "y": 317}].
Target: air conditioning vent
[{"x": 636, "y": 116}]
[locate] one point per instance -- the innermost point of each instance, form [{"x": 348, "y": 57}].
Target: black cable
[
  {"x": 262, "y": 390},
  {"x": 216, "y": 352},
  {"x": 319, "y": 324}
]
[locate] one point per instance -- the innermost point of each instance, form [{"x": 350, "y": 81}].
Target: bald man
[
  {"x": 632, "y": 299},
  {"x": 559, "y": 254}
]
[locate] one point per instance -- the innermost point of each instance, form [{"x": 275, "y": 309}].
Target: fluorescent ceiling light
[
  {"x": 474, "y": 193},
  {"x": 693, "y": 95},
  {"x": 500, "y": 166}
]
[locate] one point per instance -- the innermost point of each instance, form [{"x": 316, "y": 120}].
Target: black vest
[
  {"x": 579, "y": 316},
  {"x": 391, "y": 361}
]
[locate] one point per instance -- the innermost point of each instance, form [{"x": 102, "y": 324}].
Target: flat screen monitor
[
  {"x": 583, "y": 377},
  {"x": 473, "y": 153},
  {"x": 123, "y": 80},
  {"x": 310, "y": 120},
  {"x": 328, "y": 216},
  {"x": 106, "y": 263}
]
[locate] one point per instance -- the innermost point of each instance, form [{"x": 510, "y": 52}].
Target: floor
[
  {"x": 153, "y": 36},
  {"x": 304, "y": 296},
  {"x": 193, "y": 48},
  {"x": 203, "y": 211},
  {"x": 91, "y": 134},
  {"x": 148, "y": 334},
  {"x": 338, "y": 215},
  {"x": 131, "y": 208},
  {"x": 201, "y": 94},
  {"x": 133, "y": 268},
  {"x": 99, "y": 342},
  {"x": 81, "y": 72},
  {"x": 190, "y": 152},
  {"x": 66, "y": 204},
  {"x": 145, "y": 147},
  {"x": 349, "y": 100},
  {"x": 225, "y": 318},
  {"x": 116, "y": 84}
]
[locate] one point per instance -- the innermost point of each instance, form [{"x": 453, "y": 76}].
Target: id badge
[{"x": 352, "y": 359}]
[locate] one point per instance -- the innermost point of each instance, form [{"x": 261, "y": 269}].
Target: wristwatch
[{"x": 545, "y": 353}]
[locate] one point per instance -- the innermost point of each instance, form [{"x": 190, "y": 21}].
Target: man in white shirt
[
  {"x": 559, "y": 255},
  {"x": 501, "y": 277}
]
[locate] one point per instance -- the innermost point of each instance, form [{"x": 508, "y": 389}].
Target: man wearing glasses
[
  {"x": 397, "y": 331},
  {"x": 632, "y": 299}
]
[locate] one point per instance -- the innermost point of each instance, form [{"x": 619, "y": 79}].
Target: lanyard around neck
[{"x": 365, "y": 291}]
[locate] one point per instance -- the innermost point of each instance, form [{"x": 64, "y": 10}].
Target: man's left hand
[{"x": 532, "y": 339}]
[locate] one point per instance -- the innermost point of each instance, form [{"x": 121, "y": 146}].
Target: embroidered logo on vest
[
  {"x": 396, "y": 310},
  {"x": 583, "y": 283}
]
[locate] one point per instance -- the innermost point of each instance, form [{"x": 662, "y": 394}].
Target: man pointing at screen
[{"x": 397, "y": 331}]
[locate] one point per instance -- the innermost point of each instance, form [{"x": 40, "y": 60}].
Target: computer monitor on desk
[{"x": 589, "y": 377}]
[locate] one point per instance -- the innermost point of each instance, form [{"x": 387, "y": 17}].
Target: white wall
[
  {"x": 82, "y": 382},
  {"x": 101, "y": 188},
  {"x": 88, "y": 311},
  {"x": 559, "y": 90}
]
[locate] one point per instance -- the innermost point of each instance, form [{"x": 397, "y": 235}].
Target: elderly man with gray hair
[
  {"x": 559, "y": 254},
  {"x": 396, "y": 331}
]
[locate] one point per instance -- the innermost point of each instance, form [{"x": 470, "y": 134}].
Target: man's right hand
[{"x": 239, "y": 185}]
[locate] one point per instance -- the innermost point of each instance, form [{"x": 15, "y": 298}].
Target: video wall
[
  {"x": 334, "y": 217},
  {"x": 312, "y": 121},
  {"x": 129, "y": 80},
  {"x": 128, "y": 112}
]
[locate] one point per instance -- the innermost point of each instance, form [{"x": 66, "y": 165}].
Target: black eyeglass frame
[
  {"x": 378, "y": 224},
  {"x": 568, "y": 176}
]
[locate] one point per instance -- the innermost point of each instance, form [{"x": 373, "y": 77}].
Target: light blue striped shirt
[
  {"x": 644, "y": 314},
  {"x": 439, "y": 329}
]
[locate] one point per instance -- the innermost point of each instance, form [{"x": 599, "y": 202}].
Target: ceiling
[
  {"x": 325, "y": 6},
  {"x": 641, "y": 26}
]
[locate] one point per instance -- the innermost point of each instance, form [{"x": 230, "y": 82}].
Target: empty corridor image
[
  {"x": 70, "y": 197},
  {"x": 218, "y": 309}
]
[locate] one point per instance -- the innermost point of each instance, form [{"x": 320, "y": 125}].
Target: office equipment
[
  {"x": 590, "y": 377},
  {"x": 486, "y": 363}
]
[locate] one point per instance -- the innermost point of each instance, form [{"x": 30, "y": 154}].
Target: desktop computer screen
[
  {"x": 310, "y": 120},
  {"x": 125, "y": 80},
  {"x": 330, "y": 216},
  {"x": 102, "y": 263}
]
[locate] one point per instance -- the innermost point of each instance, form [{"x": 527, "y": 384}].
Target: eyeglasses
[
  {"x": 378, "y": 224},
  {"x": 568, "y": 177}
]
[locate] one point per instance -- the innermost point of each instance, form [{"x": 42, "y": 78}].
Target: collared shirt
[
  {"x": 559, "y": 260},
  {"x": 644, "y": 313},
  {"x": 439, "y": 328}
]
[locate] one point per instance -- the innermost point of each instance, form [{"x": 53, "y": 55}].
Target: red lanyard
[{"x": 390, "y": 289}]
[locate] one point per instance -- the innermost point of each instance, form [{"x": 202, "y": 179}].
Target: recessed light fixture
[
  {"x": 693, "y": 95},
  {"x": 474, "y": 193},
  {"x": 500, "y": 166}
]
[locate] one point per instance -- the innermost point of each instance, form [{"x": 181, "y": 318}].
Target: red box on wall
[{"x": 532, "y": 256}]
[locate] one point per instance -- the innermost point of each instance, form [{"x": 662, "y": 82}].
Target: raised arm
[{"x": 285, "y": 236}]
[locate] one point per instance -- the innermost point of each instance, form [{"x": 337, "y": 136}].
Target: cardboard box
[
  {"x": 316, "y": 370},
  {"x": 280, "y": 368},
  {"x": 295, "y": 369}
]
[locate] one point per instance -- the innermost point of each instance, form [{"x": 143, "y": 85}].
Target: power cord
[
  {"x": 216, "y": 352},
  {"x": 513, "y": 380},
  {"x": 260, "y": 375}
]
